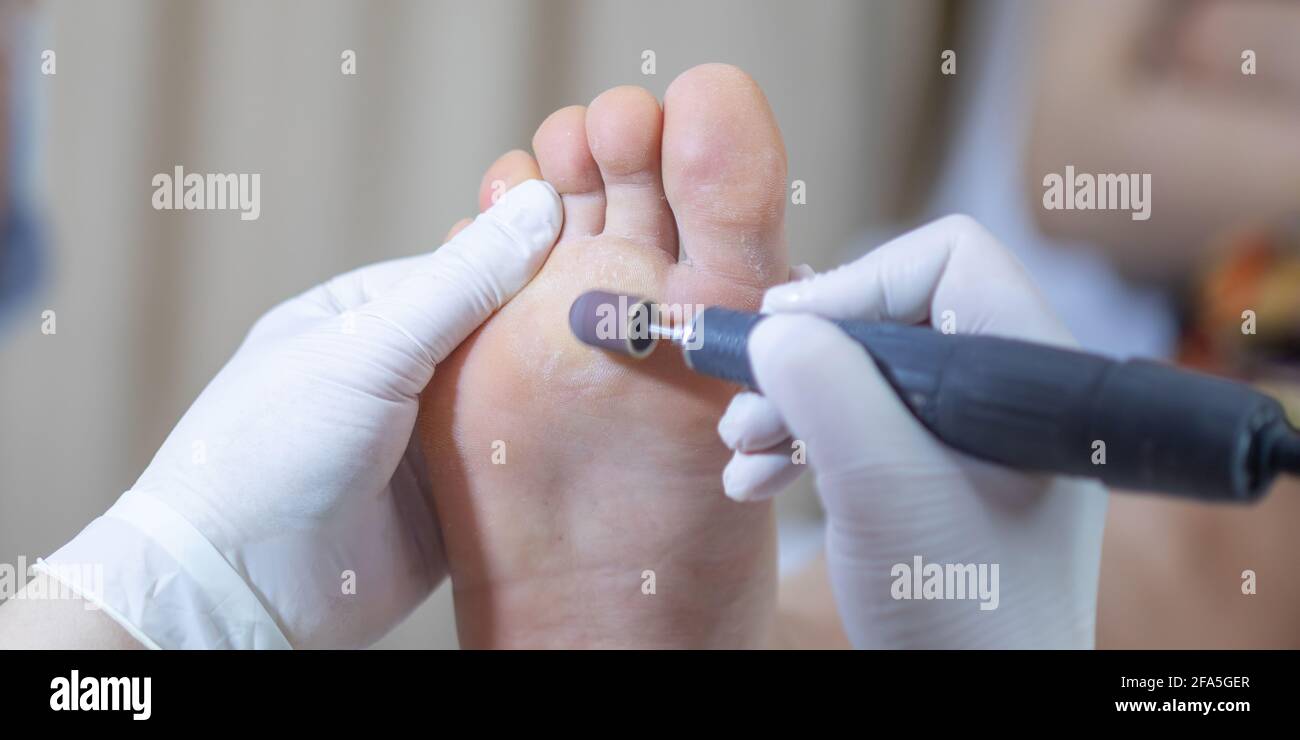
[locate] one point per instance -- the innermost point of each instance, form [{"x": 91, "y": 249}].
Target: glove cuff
[{"x": 163, "y": 582}]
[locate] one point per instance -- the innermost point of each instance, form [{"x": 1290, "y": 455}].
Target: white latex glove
[
  {"x": 294, "y": 476},
  {"x": 893, "y": 492}
]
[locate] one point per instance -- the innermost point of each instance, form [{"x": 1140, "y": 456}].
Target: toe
[
  {"x": 566, "y": 162},
  {"x": 724, "y": 171},
  {"x": 624, "y": 132},
  {"x": 509, "y": 170}
]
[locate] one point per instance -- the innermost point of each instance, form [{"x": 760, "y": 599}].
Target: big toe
[{"x": 724, "y": 170}]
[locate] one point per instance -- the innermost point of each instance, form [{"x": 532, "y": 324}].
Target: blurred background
[{"x": 149, "y": 304}]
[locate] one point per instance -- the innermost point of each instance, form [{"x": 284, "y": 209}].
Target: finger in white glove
[
  {"x": 949, "y": 269},
  {"x": 444, "y": 298}
]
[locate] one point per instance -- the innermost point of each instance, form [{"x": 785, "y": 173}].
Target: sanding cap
[{"x": 614, "y": 322}]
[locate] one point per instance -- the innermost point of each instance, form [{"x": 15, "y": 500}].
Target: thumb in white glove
[
  {"x": 892, "y": 492},
  {"x": 288, "y": 506}
]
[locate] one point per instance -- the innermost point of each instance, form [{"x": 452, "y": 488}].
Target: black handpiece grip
[{"x": 1134, "y": 425}]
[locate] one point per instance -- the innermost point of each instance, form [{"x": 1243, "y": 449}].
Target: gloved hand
[
  {"x": 891, "y": 491},
  {"x": 288, "y": 508}
]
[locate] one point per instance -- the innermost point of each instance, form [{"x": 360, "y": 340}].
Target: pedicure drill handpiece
[{"x": 1018, "y": 404}]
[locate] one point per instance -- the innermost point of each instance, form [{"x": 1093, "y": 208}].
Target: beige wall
[{"x": 356, "y": 169}]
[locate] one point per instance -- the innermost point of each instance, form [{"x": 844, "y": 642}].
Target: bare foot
[{"x": 612, "y": 467}]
